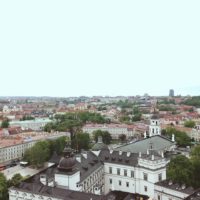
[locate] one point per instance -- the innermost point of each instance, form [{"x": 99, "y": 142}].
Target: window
[
  {"x": 159, "y": 177},
  {"x": 110, "y": 170},
  {"x": 110, "y": 180},
  {"x": 125, "y": 172},
  {"x": 159, "y": 197},
  {"x": 145, "y": 188},
  {"x": 127, "y": 184},
  {"x": 132, "y": 174},
  {"x": 145, "y": 176},
  {"x": 118, "y": 171},
  {"x": 120, "y": 183}
]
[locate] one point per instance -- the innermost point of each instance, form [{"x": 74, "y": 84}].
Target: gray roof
[
  {"x": 38, "y": 188},
  {"x": 175, "y": 186},
  {"x": 194, "y": 196},
  {"x": 157, "y": 142},
  {"x": 99, "y": 146}
]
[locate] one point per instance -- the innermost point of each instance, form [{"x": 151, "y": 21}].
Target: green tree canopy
[
  {"x": 58, "y": 145},
  {"x": 3, "y": 187},
  {"x": 27, "y": 117},
  {"x": 16, "y": 180},
  {"x": 73, "y": 122},
  {"x": 81, "y": 141},
  {"x": 5, "y": 123},
  {"x": 189, "y": 124},
  {"x": 105, "y": 136},
  {"x": 195, "y": 159},
  {"x": 179, "y": 170},
  {"x": 122, "y": 137},
  {"x": 194, "y": 101},
  {"x": 181, "y": 137},
  {"x": 183, "y": 170},
  {"x": 38, "y": 154}
]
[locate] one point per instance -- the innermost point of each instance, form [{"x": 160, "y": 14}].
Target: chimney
[
  {"x": 128, "y": 154},
  {"x": 152, "y": 157}
]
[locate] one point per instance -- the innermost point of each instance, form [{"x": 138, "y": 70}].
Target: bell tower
[{"x": 154, "y": 128}]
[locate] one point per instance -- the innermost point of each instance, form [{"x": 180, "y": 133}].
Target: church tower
[{"x": 154, "y": 128}]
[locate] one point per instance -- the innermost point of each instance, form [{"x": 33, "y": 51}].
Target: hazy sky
[{"x": 105, "y": 47}]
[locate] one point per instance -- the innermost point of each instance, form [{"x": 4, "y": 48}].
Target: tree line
[
  {"x": 182, "y": 139},
  {"x": 185, "y": 170},
  {"x": 73, "y": 122},
  {"x": 42, "y": 151},
  {"x": 5, "y": 184}
]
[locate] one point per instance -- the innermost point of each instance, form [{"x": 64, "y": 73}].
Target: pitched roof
[{"x": 159, "y": 143}]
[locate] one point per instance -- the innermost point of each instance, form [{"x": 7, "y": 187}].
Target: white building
[
  {"x": 114, "y": 129},
  {"x": 15, "y": 151},
  {"x": 11, "y": 108},
  {"x": 100, "y": 172},
  {"x": 167, "y": 190},
  {"x": 195, "y": 133},
  {"x": 36, "y": 124},
  {"x": 134, "y": 174}
]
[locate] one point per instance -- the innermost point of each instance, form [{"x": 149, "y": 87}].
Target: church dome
[{"x": 67, "y": 163}]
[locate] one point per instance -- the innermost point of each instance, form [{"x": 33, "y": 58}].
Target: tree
[
  {"x": 179, "y": 170},
  {"x": 105, "y": 136},
  {"x": 27, "y": 117},
  {"x": 124, "y": 119},
  {"x": 137, "y": 117},
  {"x": 194, "y": 101},
  {"x": 189, "y": 124},
  {"x": 16, "y": 180},
  {"x": 81, "y": 141},
  {"x": 181, "y": 137},
  {"x": 195, "y": 159},
  {"x": 122, "y": 137},
  {"x": 38, "y": 154},
  {"x": 3, "y": 187},
  {"x": 5, "y": 123},
  {"x": 58, "y": 145}
]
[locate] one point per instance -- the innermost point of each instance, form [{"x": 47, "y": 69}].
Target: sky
[{"x": 107, "y": 47}]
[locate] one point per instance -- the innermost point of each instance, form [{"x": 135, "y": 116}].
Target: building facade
[{"x": 114, "y": 129}]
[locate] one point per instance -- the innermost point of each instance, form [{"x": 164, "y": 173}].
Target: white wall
[
  {"x": 167, "y": 193},
  {"x": 137, "y": 183},
  {"x": 68, "y": 181}
]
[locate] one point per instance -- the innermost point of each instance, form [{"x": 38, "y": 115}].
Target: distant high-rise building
[{"x": 171, "y": 93}]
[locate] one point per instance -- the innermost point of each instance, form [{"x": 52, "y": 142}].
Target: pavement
[{"x": 24, "y": 171}]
